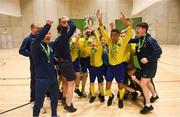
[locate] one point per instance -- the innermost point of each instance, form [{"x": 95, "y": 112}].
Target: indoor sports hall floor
[{"x": 14, "y": 90}]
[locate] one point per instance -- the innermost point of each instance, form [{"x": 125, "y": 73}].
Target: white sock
[
  {"x": 148, "y": 105},
  {"x": 154, "y": 95},
  {"x": 68, "y": 104}
]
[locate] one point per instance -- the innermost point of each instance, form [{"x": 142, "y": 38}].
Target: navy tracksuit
[
  {"x": 45, "y": 74},
  {"x": 25, "y": 50},
  {"x": 152, "y": 51},
  {"x": 62, "y": 51}
]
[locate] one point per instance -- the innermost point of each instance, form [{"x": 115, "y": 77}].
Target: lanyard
[
  {"x": 47, "y": 51},
  {"x": 93, "y": 50},
  {"x": 139, "y": 45},
  {"x": 113, "y": 52}
]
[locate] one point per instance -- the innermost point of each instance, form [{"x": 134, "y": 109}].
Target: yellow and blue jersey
[
  {"x": 117, "y": 51},
  {"x": 95, "y": 52},
  {"x": 74, "y": 51},
  {"x": 83, "y": 48}
]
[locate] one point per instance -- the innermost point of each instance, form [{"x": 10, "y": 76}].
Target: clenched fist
[
  {"x": 144, "y": 60},
  {"x": 50, "y": 22}
]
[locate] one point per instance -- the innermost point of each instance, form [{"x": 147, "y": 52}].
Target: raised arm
[
  {"x": 97, "y": 39},
  {"x": 103, "y": 31},
  {"x": 43, "y": 32},
  {"x": 128, "y": 35},
  {"x": 71, "y": 30}
]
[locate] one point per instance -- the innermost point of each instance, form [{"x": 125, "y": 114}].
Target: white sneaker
[
  {"x": 32, "y": 104},
  {"x": 43, "y": 110}
]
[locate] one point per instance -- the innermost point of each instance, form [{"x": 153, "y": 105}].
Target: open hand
[{"x": 99, "y": 16}]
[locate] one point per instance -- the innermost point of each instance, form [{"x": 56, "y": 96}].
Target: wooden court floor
[{"x": 14, "y": 90}]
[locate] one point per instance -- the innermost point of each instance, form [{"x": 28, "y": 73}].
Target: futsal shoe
[
  {"x": 92, "y": 99},
  {"x": 153, "y": 99},
  {"x": 101, "y": 98},
  {"x": 146, "y": 109},
  {"x": 78, "y": 92},
  {"x": 70, "y": 108},
  {"x": 109, "y": 103},
  {"x": 134, "y": 96},
  {"x": 120, "y": 104}
]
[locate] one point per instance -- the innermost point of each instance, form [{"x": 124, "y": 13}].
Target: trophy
[{"x": 89, "y": 19}]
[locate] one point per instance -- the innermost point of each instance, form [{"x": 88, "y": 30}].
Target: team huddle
[{"x": 59, "y": 67}]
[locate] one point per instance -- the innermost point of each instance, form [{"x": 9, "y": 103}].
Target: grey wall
[{"x": 163, "y": 17}]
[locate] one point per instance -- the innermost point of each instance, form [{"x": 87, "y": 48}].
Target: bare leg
[
  {"x": 77, "y": 81},
  {"x": 70, "y": 92},
  {"x": 144, "y": 85},
  {"x": 151, "y": 88},
  {"x": 64, "y": 86}
]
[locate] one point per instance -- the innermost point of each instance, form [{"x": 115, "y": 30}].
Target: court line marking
[
  {"x": 160, "y": 81},
  {"x": 17, "y": 107}
]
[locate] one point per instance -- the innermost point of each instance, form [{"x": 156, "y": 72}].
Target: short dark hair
[
  {"x": 59, "y": 28},
  {"x": 143, "y": 25},
  {"x": 32, "y": 26},
  {"x": 115, "y": 30},
  {"x": 130, "y": 67}
]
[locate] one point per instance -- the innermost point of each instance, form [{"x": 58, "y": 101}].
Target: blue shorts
[
  {"x": 76, "y": 65},
  {"x": 105, "y": 70},
  {"x": 117, "y": 72},
  {"x": 85, "y": 63},
  {"x": 96, "y": 72}
]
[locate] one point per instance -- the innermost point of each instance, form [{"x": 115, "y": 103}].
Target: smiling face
[
  {"x": 47, "y": 38},
  {"x": 103, "y": 41},
  {"x": 140, "y": 31},
  {"x": 114, "y": 37}
]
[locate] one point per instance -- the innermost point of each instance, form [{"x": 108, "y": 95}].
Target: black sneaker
[
  {"x": 146, "y": 109},
  {"x": 101, "y": 98},
  {"x": 63, "y": 101},
  {"x": 126, "y": 95},
  {"x": 109, "y": 103},
  {"x": 70, "y": 108},
  {"x": 92, "y": 99},
  {"x": 120, "y": 104},
  {"x": 153, "y": 99},
  {"x": 134, "y": 96},
  {"x": 77, "y": 91}
]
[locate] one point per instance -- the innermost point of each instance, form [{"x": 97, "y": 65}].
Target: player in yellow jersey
[
  {"x": 117, "y": 46},
  {"x": 84, "y": 57},
  {"x": 74, "y": 51},
  {"x": 95, "y": 51}
]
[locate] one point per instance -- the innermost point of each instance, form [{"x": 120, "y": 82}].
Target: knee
[{"x": 143, "y": 84}]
